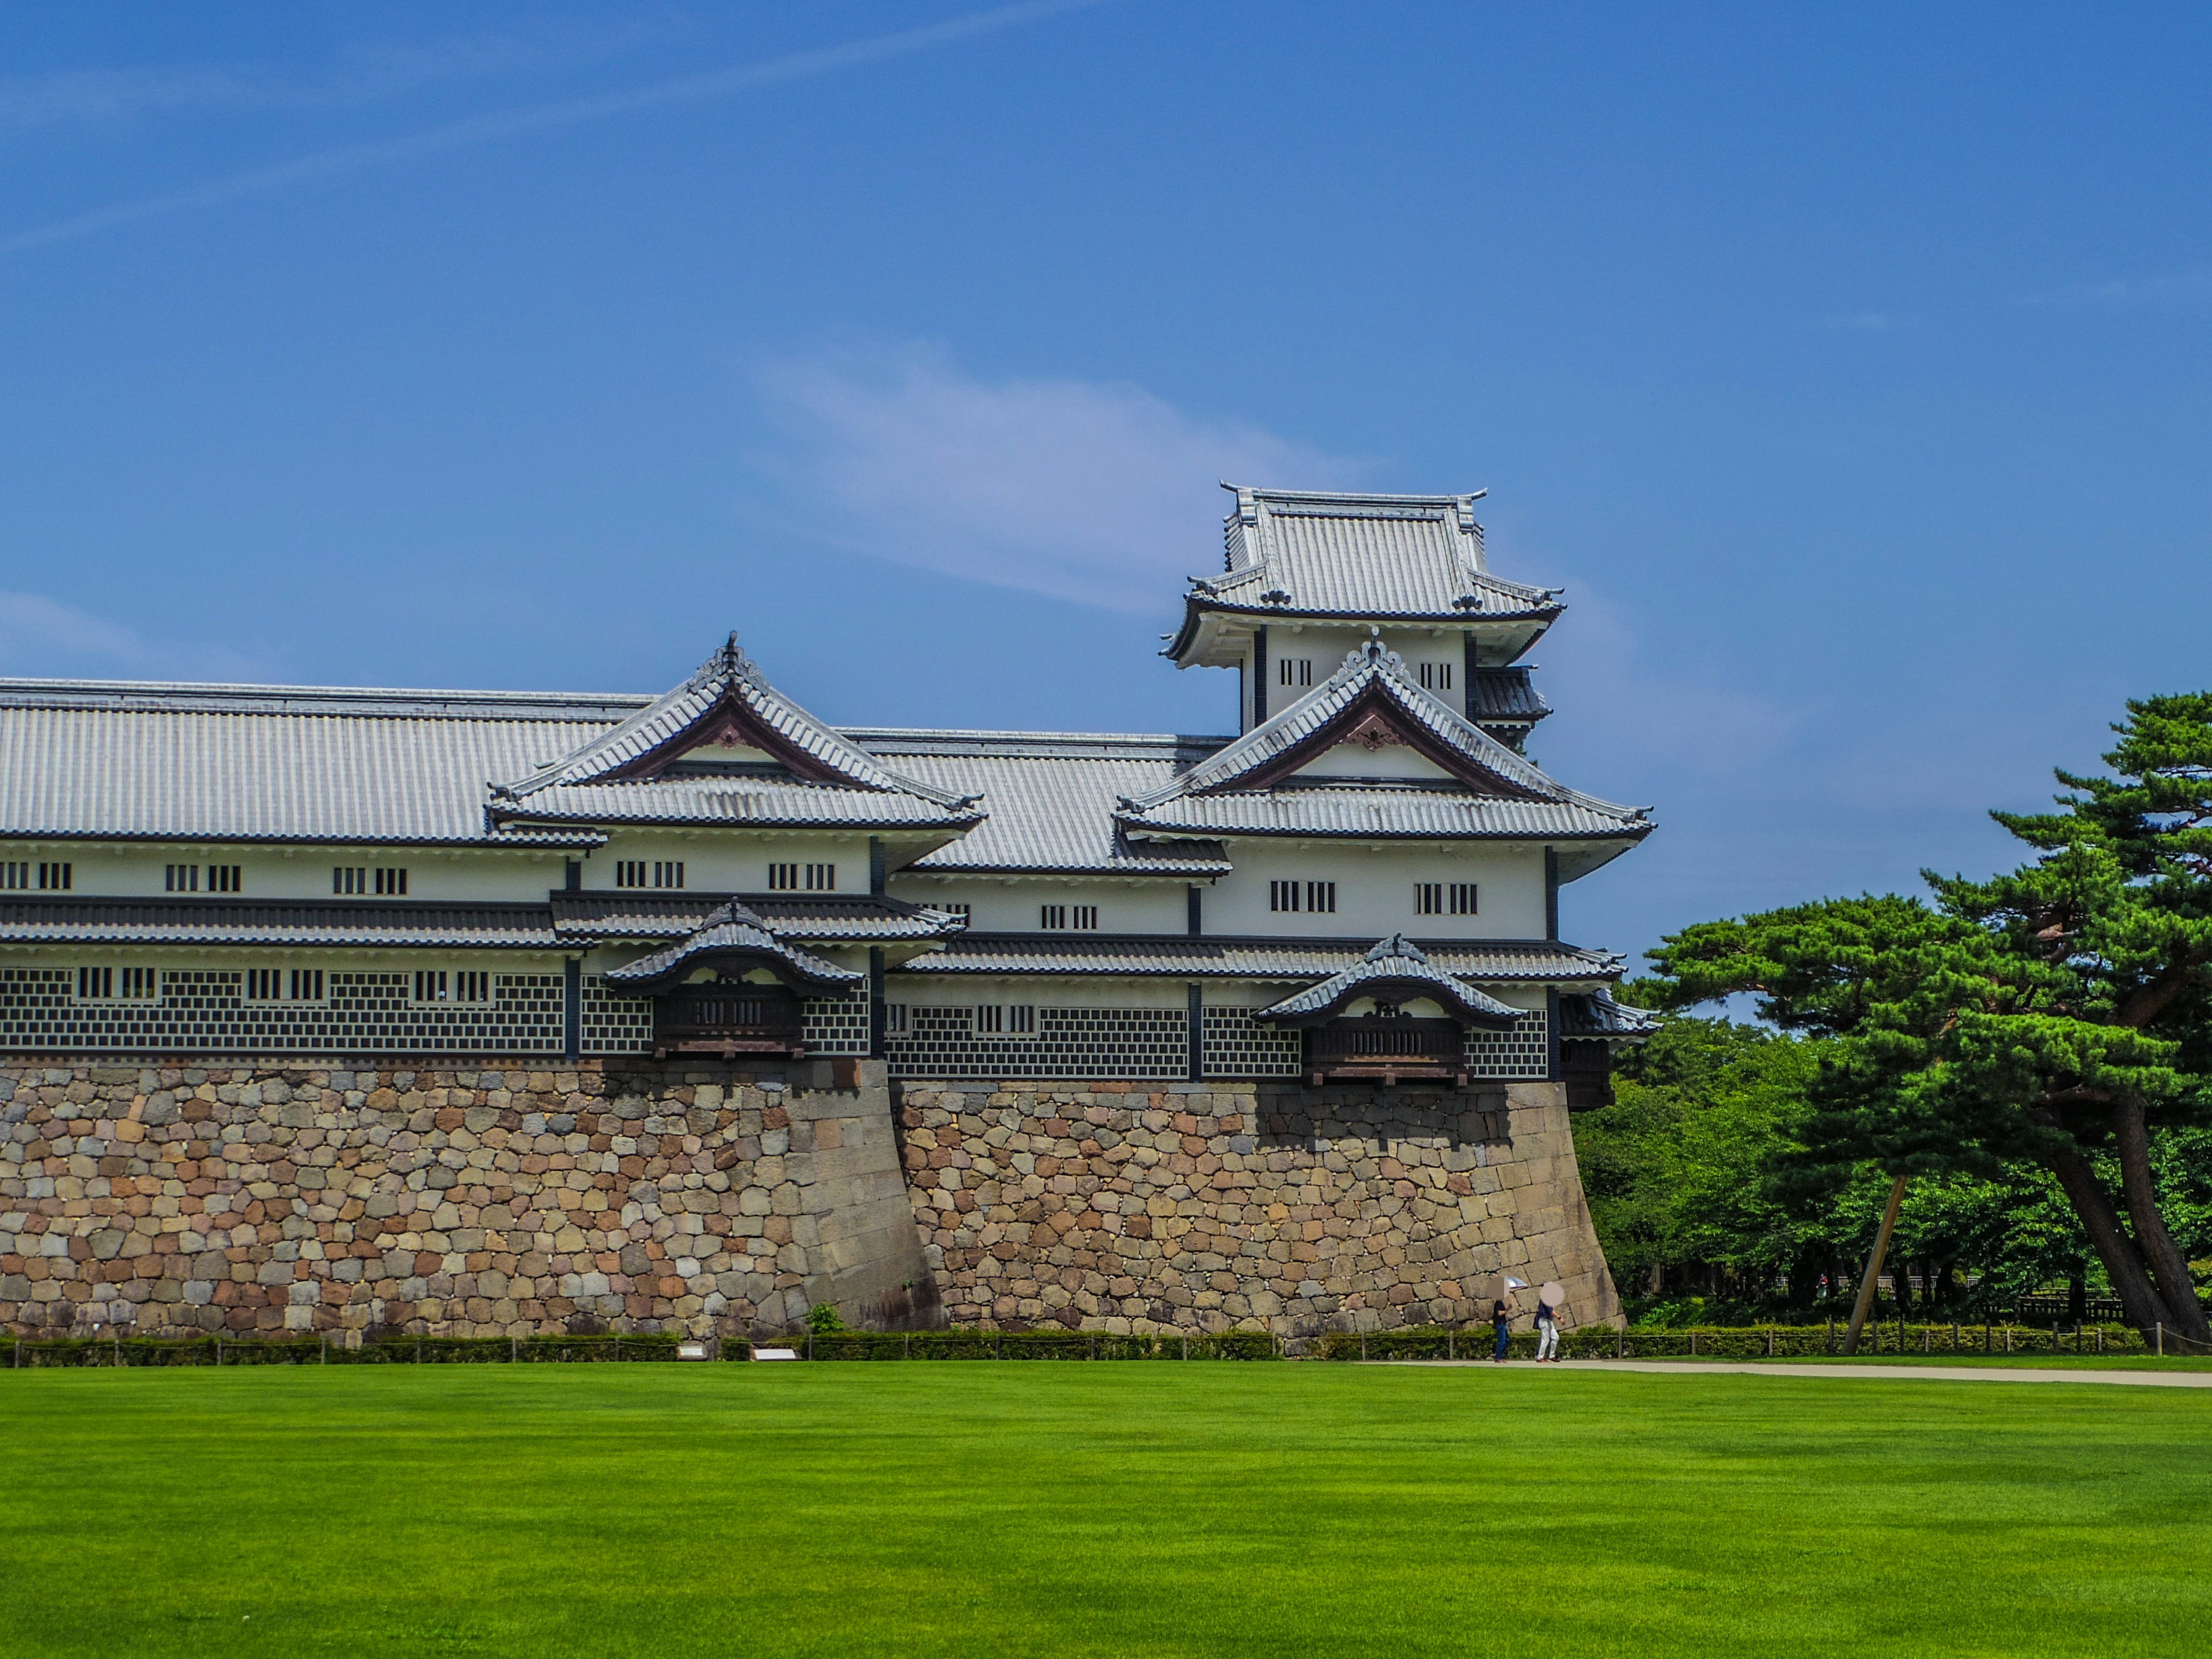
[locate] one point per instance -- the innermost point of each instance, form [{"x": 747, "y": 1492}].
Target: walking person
[
  {"x": 1547, "y": 1323},
  {"x": 1501, "y": 1319}
]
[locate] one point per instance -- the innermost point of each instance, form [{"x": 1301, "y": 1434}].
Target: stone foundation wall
[
  {"x": 253, "y": 1197},
  {"x": 1132, "y": 1206},
  {"x": 699, "y": 1196}
]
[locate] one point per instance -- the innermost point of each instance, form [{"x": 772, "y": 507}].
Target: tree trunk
[
  {"x": 2160, "y": 1253},
  {"x": 2144, "y": 1307}
]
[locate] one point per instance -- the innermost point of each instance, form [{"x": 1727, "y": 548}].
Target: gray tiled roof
[
  {"x": 582, "y": 917},
  {"x": 301, "y": 764},
  {"x": 1397, "y": 965},
  {"x": 1383, "y": 813},
  {"x": 1512, "y": 797},
  {"x": 731, "y": 930},
  {"x": 616, "y": 777},
  {"x": 256, "y": 922},
  {"x": 1490, "y": 962},
  {"x": 731, "y": 677},
  {"x": 732, "y": 803},
  {"x": 1597, "y": 1015},
  {"x": 1507, "y": 696},
  {"x": 1364, "y": 556},
  {"x": 1050, "y": 798}
]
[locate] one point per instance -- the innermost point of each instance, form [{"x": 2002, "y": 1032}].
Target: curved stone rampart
[{"x": 1129, "y": 1206}]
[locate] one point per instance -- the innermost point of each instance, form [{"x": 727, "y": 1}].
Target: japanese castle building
[{"x": 1362, "y": 885}]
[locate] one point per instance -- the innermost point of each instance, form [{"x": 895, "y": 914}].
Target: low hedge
[{"x": 1736, "y": 1342}]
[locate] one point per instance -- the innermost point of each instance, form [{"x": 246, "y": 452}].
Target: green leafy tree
[{"x": 2047, "y": 1016}]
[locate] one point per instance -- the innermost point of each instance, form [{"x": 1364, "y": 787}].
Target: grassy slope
[{"x": 1092, "y": 1510}]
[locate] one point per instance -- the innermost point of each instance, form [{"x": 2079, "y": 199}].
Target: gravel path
[{"x": 1893, "y": 1373}]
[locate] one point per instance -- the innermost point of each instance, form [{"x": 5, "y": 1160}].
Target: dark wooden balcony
[
  {"x": 728, "y": 1020},
  {"x": 1387, "y": 1051}
]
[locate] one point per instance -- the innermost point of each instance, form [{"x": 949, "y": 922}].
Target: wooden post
[
  {"x": 2161, "y": 1340},
  {"x": 1860, "y": 1309},
  {"x": 1447, "y": 1345}
]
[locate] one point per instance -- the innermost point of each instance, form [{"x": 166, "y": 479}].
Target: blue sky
[{"x": 1848, "y": 368}]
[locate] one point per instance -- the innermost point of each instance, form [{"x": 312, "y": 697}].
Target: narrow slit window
[
  {"x": 782, "y": 877},
  {"x": 894, "y": 1019},
  {"x": 14, "y": 878},
  {"x": 184, "y": 878},
  {"x": 138, "y": 984},
  {"x": 1021, "y": 1019},
  {"x": 990, "y": 1019},
  {"x": 1294, "y": 671},
  {"x": 306, "y": 985},
  {"x": 629, "y": 873},
  {"x": 57, "y": 877},
  {"x": 431, "y": 985},
  {"x": 821, "y": 877},
  {"x": 348, "y": 879},
  {"x": 392, "y": 881},
  {"x": 1052, "y": 917},
  {"x": 965, "y": 912},
  {"x": 473, "y": 985},
  {"x": 1436, "y": 677},
  {"x": 1283, "y": 895},
  {"x": 94, "y": 984},
  {"x": 1321, "y": 897},
  {"x": 264, "y": 984},
  {"x": 1086, "y": 918},
  {"x": 1463, "y": 898},
  {"x": 668, "y": 873},
  {"x": 223, "y": 878},
  {"x": 1428, "y": 898}
]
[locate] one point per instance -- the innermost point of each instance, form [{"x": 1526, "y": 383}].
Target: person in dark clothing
[{"x": 1503, "y": 1321}]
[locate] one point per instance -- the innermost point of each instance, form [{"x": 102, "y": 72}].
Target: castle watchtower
[{"x": 1308, "y": 575}]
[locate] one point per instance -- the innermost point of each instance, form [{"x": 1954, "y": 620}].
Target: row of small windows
[
  {"x": 1297, "y": 671},
  {"x": 641, "y": 872},
  {"x": 1317, "y": 896},
  {"x": 1438, "y": 898},
  {"x": 384, "y": 880},
  {"x": 436, "y": 985},
  {"x": 1061, "y": 918},
  {"x": 817, "y": 878},
  {"x": 106, "y": 984},
  {"x": 37, "y": 878},
  {"x": 1000, "y": 1019},
  {"x": 196, "y": 877}
]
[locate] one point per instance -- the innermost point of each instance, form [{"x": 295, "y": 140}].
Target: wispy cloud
[
  {"x": 363, "y": 72},
  {"x": 2175, "y": 289},
  {"x": 39, "y": 636},
  {"x": 351, "y": 158},
  {"x": 1096, "y": 492}
]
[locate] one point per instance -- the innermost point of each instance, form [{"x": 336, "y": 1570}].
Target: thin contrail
[{"x": 348, "y": 158}]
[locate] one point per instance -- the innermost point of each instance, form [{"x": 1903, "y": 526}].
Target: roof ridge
[{"x": 1370, "y": 665}]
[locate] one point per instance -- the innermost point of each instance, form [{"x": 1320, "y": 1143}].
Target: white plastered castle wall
[{"x": 1375, "y": 889}]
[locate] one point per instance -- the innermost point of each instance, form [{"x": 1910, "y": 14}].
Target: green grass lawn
[{"x": 1077, "y": 1509}]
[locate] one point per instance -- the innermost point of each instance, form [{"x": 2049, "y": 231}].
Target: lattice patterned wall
[
  {"x": 835, "y": 1025},
  {"x": 1524, "y": 1051},
  {"x": 1237, "y": 1045},
  {"x": 1069, "y": 1042},
  {"x": 613, "y": 1025},
  {"x": 206, "y": 1011}
]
